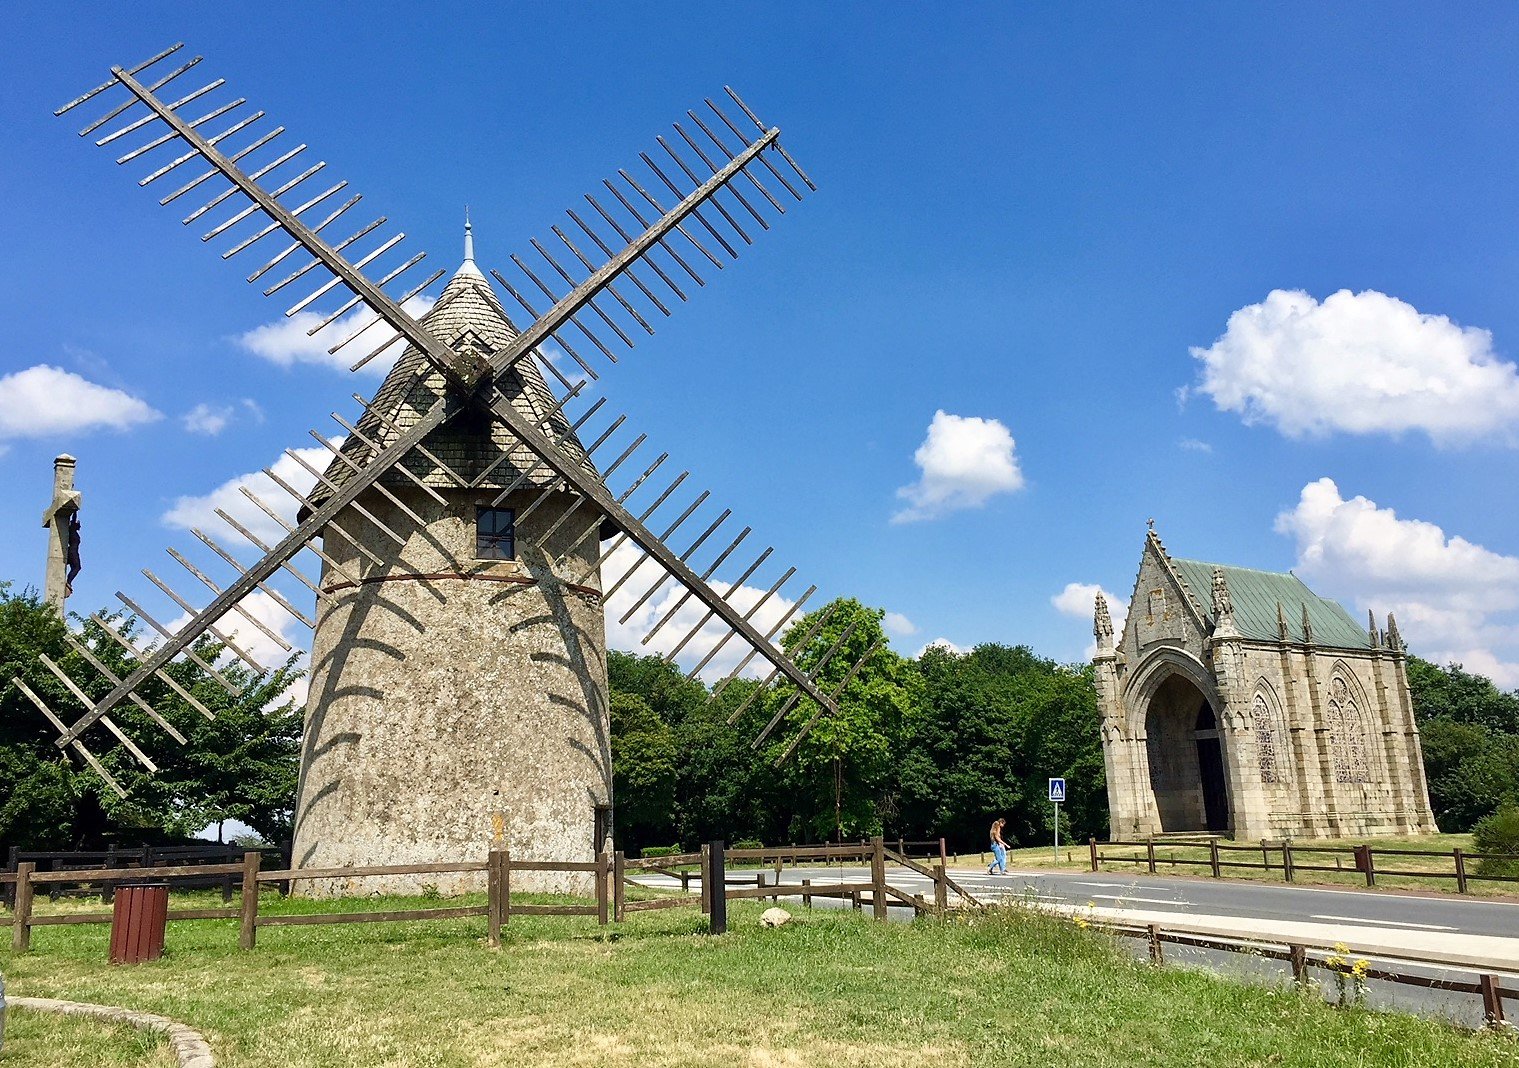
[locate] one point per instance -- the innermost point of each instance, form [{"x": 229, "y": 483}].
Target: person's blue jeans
[{"x": 999, "y": 862}]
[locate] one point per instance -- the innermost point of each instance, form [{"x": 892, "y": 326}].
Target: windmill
[{"x": 461, "y": 525}]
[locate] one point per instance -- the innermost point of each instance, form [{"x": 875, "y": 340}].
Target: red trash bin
[{"x": 138, "y": 917}]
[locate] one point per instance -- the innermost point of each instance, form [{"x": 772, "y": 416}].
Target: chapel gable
[{"x": 1163, "y": 610}]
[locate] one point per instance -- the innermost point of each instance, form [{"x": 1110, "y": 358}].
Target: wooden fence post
[
  {"x": 247, "y": 935},
  {"x": 1092, "y": 844},
  {"x": 1371, "y": 870},
  {"x": 1265, "y": 856},
  {"x": 603, "y": 877},
  {"x": 1492, "y": 1000},
  {"x": 878, "y": 878},
  {"x": 943, "y": 854},
  {"x": 1213, "y": 855},
  {"x": 1287, "y": 873},
  {"x": 619, "y": 891},
  {"x": 941, "y": 888},
  {"x": 1460, "y": 858},
  {"x": 1150, "y": 845},
  {"x": 1157, "y": 955},
  {"x": 506, "y": 886},
  {"x": 1299, "y": 958},
  {"x": 718, "y": 900},
  {"x": 21, "y": 919},
  {"x": 806, "y": 897},
  {"x": 493, "y": 873}
]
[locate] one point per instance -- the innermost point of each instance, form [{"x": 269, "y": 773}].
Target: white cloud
[
  {"x": 898, "y": 624},
  {"x": 43, "y": 400},
  {"x": 1454, "y": 600},
  {"x": 249, "y": 638},
  {"x": 1359, "y": 363},
  {"x": 1194, "y": 445},
  {"x": 1079, "y": 601},
  {"x": 943, "y": 643},
  {"x": 628, "y": 636},
  {"x": 964, "y": 461},
  {"x": 207, "y": 419},
  {"x": 200, "y": 512},
  {"x": 285, "y": 340}
]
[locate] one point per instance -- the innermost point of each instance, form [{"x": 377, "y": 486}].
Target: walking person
[{"x": 999, "y": 849}]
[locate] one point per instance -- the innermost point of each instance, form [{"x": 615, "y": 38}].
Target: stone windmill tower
[
  {"x": 458, "y": 686},
  {"x": 461, "y": 530}
]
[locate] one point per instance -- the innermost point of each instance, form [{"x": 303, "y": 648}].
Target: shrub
[
  {"x": 659, "y": 851},
  {"x": 1499, "y": 833},
  {"x": 747, "y": 843}
]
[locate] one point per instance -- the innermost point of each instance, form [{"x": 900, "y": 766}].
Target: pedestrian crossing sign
[{"x": 1057, "y": 790}]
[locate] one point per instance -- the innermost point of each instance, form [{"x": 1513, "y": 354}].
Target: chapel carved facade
[{"x": 1238, "y": 701}]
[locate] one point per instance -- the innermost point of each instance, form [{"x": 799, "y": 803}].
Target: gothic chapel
[{"x": 1238, "y": 701}]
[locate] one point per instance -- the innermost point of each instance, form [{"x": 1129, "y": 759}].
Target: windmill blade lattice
[{"x": 647, "y": 246}]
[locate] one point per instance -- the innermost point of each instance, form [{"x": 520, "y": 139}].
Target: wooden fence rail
[
  {"x": 612, "y": 875},
  {"x": 1291, "y": 860}
]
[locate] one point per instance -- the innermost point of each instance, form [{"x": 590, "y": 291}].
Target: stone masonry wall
[{"x": 454, "y": 699}]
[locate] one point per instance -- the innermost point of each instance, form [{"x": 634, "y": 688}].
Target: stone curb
[{"x": 190, "y": 1047}]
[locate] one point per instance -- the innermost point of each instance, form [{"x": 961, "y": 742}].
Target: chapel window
[
  {"x": 1347, "y": 741},
  {"x": 1266, "y": 740},
  {"x": 495, "y": 534}
]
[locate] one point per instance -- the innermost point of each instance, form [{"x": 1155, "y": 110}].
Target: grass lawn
[
  {"x": 833, "y": 989},
  {"x": 43, "y": 1040}
]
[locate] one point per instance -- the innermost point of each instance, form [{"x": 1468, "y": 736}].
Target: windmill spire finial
[{"x": 468, "y": 268}]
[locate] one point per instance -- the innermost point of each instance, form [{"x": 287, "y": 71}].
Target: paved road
[
  {"x": 1431, "y": 914},
  {"x": 1383, "y": 927}
]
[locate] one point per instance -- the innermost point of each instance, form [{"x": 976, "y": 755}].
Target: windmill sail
[{"x": 633, "y": 249}]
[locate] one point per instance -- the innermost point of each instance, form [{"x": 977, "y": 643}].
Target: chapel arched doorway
[{"x": 1186, "y": 759}]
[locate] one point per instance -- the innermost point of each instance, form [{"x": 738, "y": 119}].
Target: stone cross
[{"x": 61, "y": 519}]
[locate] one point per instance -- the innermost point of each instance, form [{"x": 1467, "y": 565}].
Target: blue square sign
[{"x": 1057, "y": 789}]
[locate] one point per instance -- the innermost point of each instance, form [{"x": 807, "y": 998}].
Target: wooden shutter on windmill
[{"x": 495, "y": 536}]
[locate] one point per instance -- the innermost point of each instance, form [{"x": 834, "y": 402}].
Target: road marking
[
  {"x": 1363, "y": 921},
  {"x": 1140, "y": 900}
]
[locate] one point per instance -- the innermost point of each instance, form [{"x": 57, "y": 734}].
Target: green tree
[
  {"x": 239, "y": 765},
  {"x": 842, "y": 766},
  {"x": 1470, "y": 735},
  {"x": 1455, "y": 694},
  {"x": 999, "y": 720},
  {"x": 644, "y": 773}
]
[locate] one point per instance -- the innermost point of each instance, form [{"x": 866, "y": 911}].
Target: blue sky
[{"x": 1028, "y": 219}]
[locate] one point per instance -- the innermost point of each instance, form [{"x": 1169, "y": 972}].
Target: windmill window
[{"x": 495, "y": 534}]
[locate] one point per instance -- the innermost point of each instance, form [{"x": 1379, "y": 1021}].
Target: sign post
[{"x": 1057, "y": 795}]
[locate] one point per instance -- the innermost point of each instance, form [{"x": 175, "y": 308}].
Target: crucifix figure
[{"x": 62, "y": 521}]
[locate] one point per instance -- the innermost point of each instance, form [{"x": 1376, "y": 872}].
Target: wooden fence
[
  {"x": 131, "y": 859},
  {"x": 1291, "y": 859},
  {"x": 612, "y": 875},
  {"x": 1303, "y": 957}
]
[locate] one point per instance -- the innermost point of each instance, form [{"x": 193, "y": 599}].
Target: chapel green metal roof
[{"x": 1256, "y": 595}]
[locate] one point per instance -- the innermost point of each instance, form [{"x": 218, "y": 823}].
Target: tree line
[{"x": 922, "y": 747}]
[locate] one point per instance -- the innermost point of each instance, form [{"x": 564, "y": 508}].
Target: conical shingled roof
[{"x": 467, "y": 314}]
